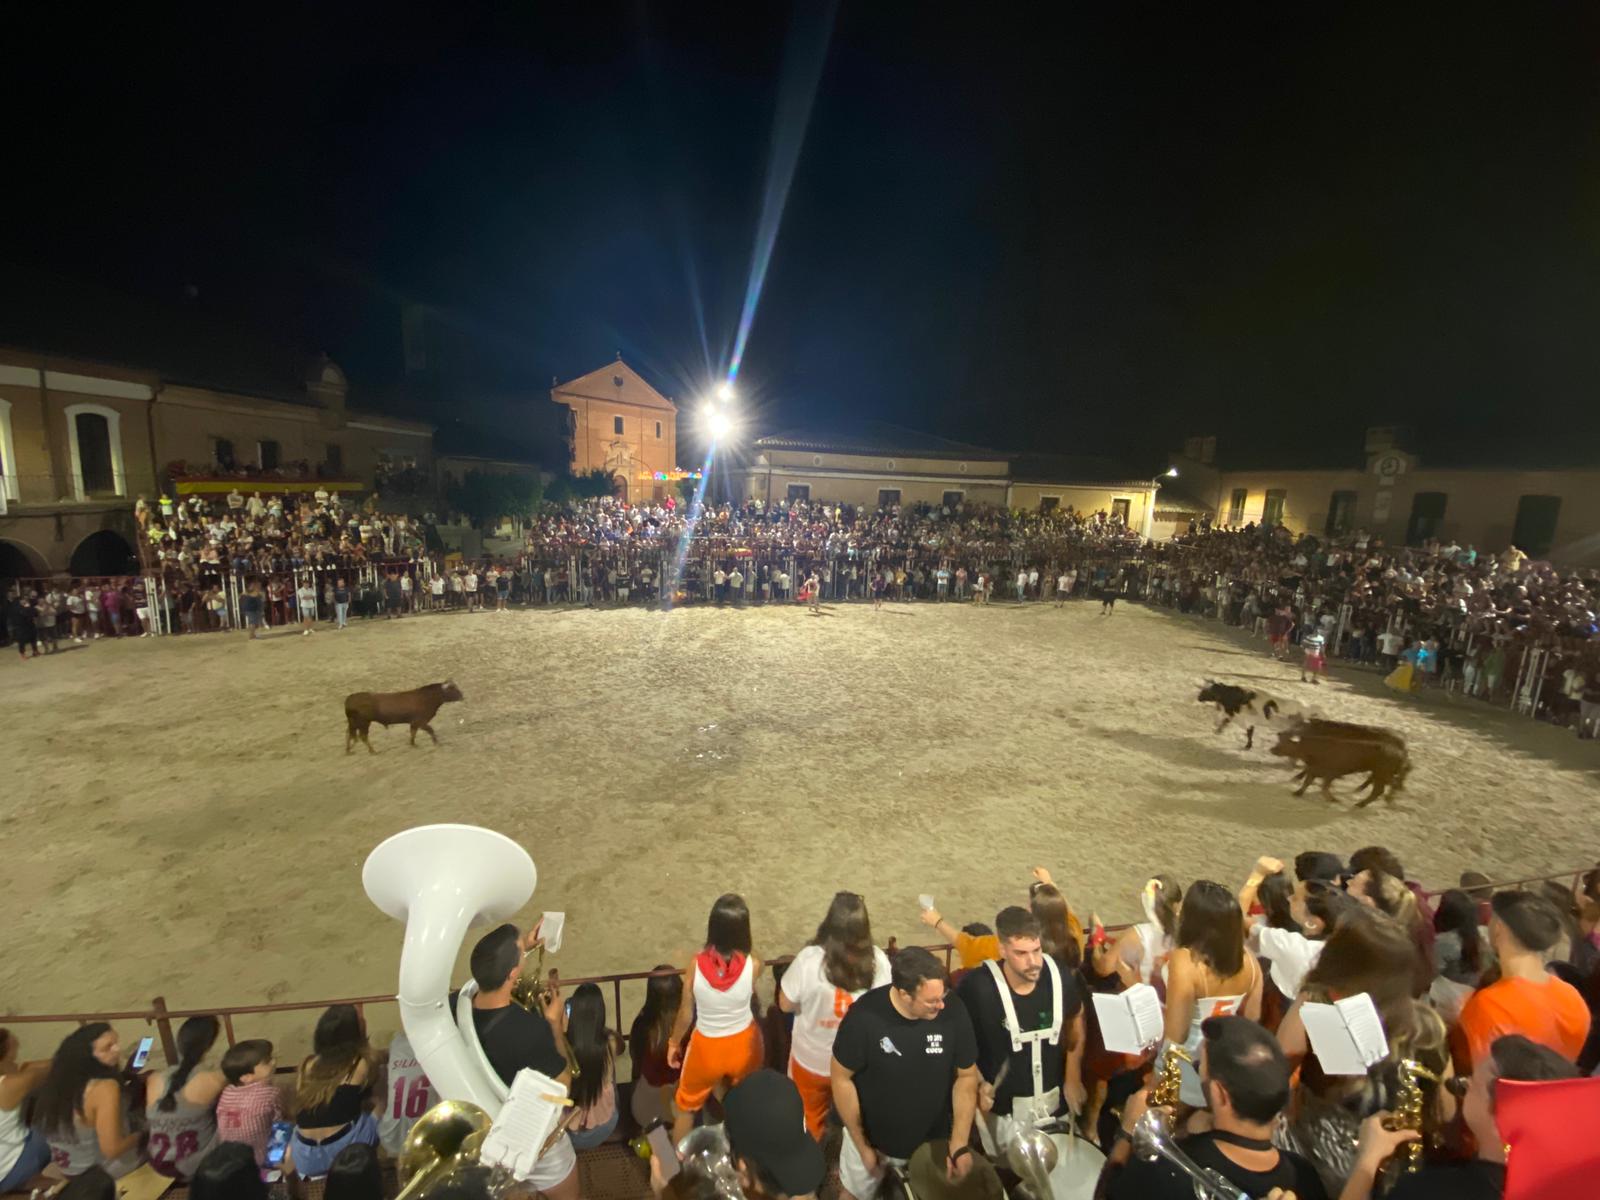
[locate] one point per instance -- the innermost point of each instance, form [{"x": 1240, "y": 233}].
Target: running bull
[
  {"x": 1328, "y": 750},
  {"x": 1232, "y": 700},
  {"x": 415, "y": 708}
]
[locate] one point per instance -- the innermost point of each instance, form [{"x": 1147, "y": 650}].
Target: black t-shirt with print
[
  {"x": 1160, "y": 1180},
  {"x": 982, "y": 998},
  {"x": 904, "y": 1068}
]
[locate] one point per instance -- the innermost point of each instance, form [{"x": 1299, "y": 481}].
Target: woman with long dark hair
[
  {"x": 331, "y": 1092},
  {"x": 229, "y": 1172},
  {"x": 718, "y": 985},
  {"x": 825, "y": 979},
  {"x": 653, "y": 1080},
  {"x": 1055, "y": 916},
  {"x": 78, "y": 1108},
  {"x": 1210, "y": 974},
  {"x": 355, "y": 1175},
  {"x": 593, "y": 1048},
  {"x": 180, "y": 1105},
  {"x": 1296, "y": 917}
]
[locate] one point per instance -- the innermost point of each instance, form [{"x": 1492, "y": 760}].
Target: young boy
[
  {"x": 1314, "y": 663},
  {"x": 251, "y": 1102}
]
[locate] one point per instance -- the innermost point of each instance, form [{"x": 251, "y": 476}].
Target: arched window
[
  {"x": 10, "y": 481},
  {"x": 94, "y": 434}
]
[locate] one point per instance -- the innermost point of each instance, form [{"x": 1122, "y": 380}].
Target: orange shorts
[
  {"x": 816, "y": 1093},
  {"x": 708, "y": 1062}
]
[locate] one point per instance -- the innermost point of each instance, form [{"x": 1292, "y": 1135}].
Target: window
[
  {"x": 1236, "y": 505},
  {"x": 953, "y": 499},
  {"x": 222, "y": 453},
  {"x": 616, "y": 425},
  {"x": 1427, "y": 514},
  {"x": 333, "y": 456},
  {"x": 799, "y": 491},
  {"x": 888, "y": 497},
  {"x": 1049, "y": 503},
  {"x": 94, "y": 436},
  {"x": 1120, "y": 507},
  {"x": 658, "y": 431},
  {"x": 1341, "y": 513},
  {"x": 10, "y": 481},
  {"x": 267, "y": 455},
  {"x": 1535, "y": 530},
  {"x": 1272, "y": 510}
]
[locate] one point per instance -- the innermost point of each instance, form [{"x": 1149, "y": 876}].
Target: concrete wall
[
  {"x": 1084, "y": 498},
  {"x": 857, "y": 479}
]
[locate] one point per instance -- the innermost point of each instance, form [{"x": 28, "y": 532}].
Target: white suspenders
[{"x": 1040, "y": 1103}]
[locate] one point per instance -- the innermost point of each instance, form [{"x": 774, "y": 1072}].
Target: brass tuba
[{"x": 444, "y": 1142}]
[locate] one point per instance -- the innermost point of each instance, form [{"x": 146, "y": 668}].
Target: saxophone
[
  {"x": 1169, "y": 1076},
  {"x": 1410, "y": 1102}
]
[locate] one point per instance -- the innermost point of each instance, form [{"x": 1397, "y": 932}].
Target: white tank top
[
  {"x": 13, "y": 1136},
  {"x": 723, "y": 1014}
]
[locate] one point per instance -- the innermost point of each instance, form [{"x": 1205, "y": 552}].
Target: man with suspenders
[{"x": 1021, "y": 1007}]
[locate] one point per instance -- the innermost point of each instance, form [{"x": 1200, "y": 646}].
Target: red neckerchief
[{"x": 721, "y": 973}]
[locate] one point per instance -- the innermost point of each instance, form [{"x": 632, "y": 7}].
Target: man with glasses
[{"x": 904, "y": 1072}]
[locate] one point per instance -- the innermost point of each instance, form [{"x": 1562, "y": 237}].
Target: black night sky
[{"x": 1089, "y": 232}]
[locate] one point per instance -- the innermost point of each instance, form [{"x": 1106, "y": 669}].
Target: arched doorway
[
  {"x": 104, "y": 553},
  {"x": 17, "y": 562},
  {"x": 619, "y": 486}
]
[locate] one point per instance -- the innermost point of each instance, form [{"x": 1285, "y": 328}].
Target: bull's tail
[
  {"x": 1399, "y": 783},
  {"x": 1269, "y": 709}
]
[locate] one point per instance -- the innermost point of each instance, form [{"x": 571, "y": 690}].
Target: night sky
[{"x": 1090, "y": 235}]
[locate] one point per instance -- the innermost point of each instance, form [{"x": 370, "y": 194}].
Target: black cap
[{"x": 766, "y": 1124}]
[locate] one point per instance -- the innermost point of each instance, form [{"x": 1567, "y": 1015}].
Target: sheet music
[
  {"x": 525, "y": 1123},
  {"x": 1130, "y": 1020},
  {"x": 1348, "y": 1036},
  {"x": 550, "y": 927}
]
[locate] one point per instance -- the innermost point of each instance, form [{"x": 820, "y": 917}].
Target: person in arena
[
  {"x": 23, "y": 1151},
  {"x": 180, "y": 1104},
  {"x": 1482, "y": 1177},
  {"x": 1027, "y": 1017},
  {"x": 1210, "y": 974},
  {"x": 718, "y": 984},
  {"x": 331, "y": 1092},
  {"x": 1245, "y": 1078},
  {"x": 1527, "y": 998},
  {"x": 79, "y": 1107},
  {"x": 826, "y": 977},
  {"x": 513, "y": 1037},
  {"x": 904, "y": 1071}
]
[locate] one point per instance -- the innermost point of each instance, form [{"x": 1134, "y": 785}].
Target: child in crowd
[{"x": 250, "y": 1103}]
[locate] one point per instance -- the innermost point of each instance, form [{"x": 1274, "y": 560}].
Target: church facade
[{"x": 618, "y": 423}]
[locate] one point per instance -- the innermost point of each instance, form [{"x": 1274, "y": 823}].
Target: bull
[
  {"x": 1232, "y": 700},
  {"x": 415, "y": 708},
  {"x": 1329, "y": 750}
]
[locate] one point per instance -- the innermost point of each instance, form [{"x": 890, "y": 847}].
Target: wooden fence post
[{"x": 169, "y": 1044}]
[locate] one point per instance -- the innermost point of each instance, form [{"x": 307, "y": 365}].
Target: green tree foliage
[
  {"x": 593, "y": 484},
  {"x": 485, "y": 497}
]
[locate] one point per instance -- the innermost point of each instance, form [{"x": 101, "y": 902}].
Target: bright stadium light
[
  {"x": 725, "y": 392},
  {"x": 719, "y": 423}
]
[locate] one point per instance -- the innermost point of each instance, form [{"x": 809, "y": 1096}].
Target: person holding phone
[
  {"x": 23, "y": 1151},
  {"x": 79, "y": 1106}
]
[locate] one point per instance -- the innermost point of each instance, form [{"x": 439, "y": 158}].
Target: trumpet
[
  {"x": 1152, "y": 1140},
  {"x": 1169, "y": 1076}
]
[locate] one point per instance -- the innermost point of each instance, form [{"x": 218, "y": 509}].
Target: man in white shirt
[
  {"x": 1389, "y": 646},
  {"x": 1022, "y": 586},
  {"x": 469, "y": 587},
  {"x": 436, "y": 591},
  {"x": 306, "y": 599}
]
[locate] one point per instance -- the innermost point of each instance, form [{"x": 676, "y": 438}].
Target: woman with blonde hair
[{"x": 330, "y": 1097}]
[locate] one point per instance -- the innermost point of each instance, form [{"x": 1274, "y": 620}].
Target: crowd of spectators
[{"x": 874, "y": 1054}]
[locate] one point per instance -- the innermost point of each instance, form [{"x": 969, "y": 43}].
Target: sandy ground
[{"x": 182, "y": 819}]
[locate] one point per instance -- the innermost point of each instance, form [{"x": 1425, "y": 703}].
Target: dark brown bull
[
  {"x": 415, "y": 708},
  {"x": 1328, "y": 750}
]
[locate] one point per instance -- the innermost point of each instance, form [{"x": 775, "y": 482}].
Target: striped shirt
[{"x": 245, "y": 1113}]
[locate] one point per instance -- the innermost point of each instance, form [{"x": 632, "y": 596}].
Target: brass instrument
[
  {"x": 533, "y": 989},
  {"x": 1169, "y": 1076},
  {"x": 1409, "y": 1105},
  {"x": 1151, "y": 1140},
  {"x": 444, "y": 1141}
]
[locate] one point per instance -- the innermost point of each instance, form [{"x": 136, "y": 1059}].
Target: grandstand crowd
[{"x": 885, "y": 1061}]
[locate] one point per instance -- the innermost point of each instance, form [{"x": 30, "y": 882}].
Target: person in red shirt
[{"x": 1526, "y": 999}]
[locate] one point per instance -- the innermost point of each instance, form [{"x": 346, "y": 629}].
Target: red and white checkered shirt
[{"x": 245, "y": 1113}]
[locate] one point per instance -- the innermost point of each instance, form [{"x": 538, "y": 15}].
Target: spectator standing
[
  {"x": 904, "y": 1072},
  {"x": 91, "y": 610},
  {"x": 23, "y": 1151},
  {"x": 1210, "y": 974},
  {"x": 252, "y": 607},
  {"x": 392, "y": 597},
  {"x": 1526, "y": 999},
  {"x": 79, "y": 1108},
  {"x": 830, "y": 974},
  {"x": 406, "y": 589},
  {"x": 21, "y": 626},
  {"x": 436, "y": 592},
  {"x": 76, "y": 609},
  {"x": 250, "y": 1102},
  {"x": 306, "y": 600},
  {"x": 110, "y": 601},
  {"x": 341, "y": 603},
  {"x": 180, "y": 1105},
  {"x": 717, "y": 988}
]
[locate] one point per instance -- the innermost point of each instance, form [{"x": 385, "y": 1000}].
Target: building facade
[
  {"x": 1396, "y": 495},
  {"x": 81, "y": 441},
  {"x": 618, "y": 423}
]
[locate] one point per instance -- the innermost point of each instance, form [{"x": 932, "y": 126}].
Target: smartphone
[
  {"x": 142, "y": 1054},
  {"x": 569, "y": 1010},
  {"x": 278, "y": 1142},
  {"x": 660, "y": 1139}
]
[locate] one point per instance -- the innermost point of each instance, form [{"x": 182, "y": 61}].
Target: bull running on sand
[
  {"x": 1231, "y": 700},
  {"x": 1329, "y": 750},
  {"x": 415, "y": 708}
]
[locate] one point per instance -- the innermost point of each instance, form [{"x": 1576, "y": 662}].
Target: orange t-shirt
[
  {"x": 1551, "y": 1013},
  {"x": 975, "y": 951}
]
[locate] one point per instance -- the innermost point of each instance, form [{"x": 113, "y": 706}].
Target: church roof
[{"x": 615, "y": 381}]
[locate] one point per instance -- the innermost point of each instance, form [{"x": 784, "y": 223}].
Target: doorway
[
  {"x": 103, "y": 553},
  {"x": 1427, "y": 516},
  {"x": 1535, "y": 530}
]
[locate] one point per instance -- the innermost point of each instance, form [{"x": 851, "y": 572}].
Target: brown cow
[
  {"x": 1328, "y": 750},
  {"x": 414, "y": 708}
]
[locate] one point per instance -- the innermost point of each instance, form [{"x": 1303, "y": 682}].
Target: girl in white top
[
  {"x": 1296, "y": 919},
  {"x": 23, "y": 1151},
  {"x": 825, "y": 979},
  {"x": 717, "y": 1000},
  {"x": 1142, "y": 951},
  {"x": 1210, "y": 974}
]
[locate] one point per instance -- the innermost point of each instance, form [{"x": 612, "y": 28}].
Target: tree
[
  {"x": 484, "y": 497},
  {"x": 593, "y": 484}
]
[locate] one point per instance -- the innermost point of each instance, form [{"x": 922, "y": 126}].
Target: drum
[{"x": 1077, "y": 1169}]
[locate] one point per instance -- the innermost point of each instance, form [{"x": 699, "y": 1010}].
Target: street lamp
[{"x": 1172, "y": 472}]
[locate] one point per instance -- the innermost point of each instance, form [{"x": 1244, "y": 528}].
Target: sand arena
[{"x": 182, "y": 818}]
